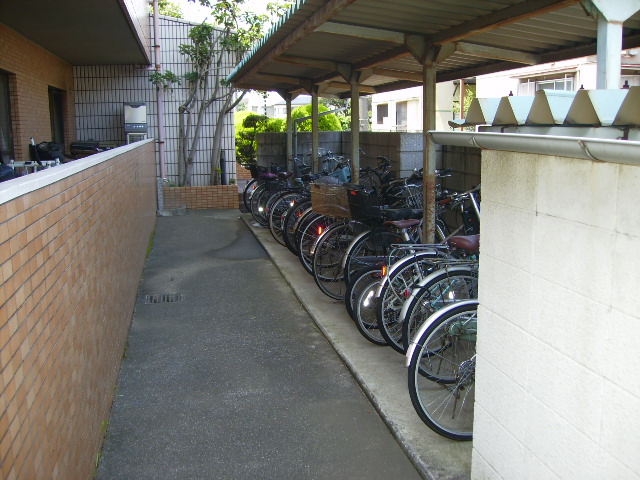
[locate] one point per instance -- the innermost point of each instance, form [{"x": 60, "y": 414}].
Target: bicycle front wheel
[{"x": 442, "y": 371}]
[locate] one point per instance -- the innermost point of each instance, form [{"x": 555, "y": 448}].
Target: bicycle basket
[
  {"x": 363, "y": 204},
  {"x": 330, "y": 200}
]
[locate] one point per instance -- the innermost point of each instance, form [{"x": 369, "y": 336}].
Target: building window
[
  {"x": 529, "y": 86},
  {"x": 382, "y": 112},
  {"x": 401, "y": 115},
  {"x": 6, "y": 129},
  {"x": 56, "y": 111}
]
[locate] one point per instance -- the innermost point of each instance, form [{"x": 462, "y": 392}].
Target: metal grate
[{"x": 163, "y": 298}]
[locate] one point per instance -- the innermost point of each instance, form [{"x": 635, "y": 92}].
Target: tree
[
  {"x": 169, "y": 9},
  {"x": 249, "y": 124},
  {"x": 327, "y": 122},
  {"x": 210, "y": 48}
]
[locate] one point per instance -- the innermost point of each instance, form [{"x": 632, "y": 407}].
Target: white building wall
[
  {"x": 413, "y": 97},
  {"x": 558, "y": 389}
]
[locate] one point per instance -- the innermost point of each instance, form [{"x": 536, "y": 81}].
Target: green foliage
[
  {"x": 469, "y": 95},
  {"x": 248, "y": 125},
  {"x": 169, "y": 9},
  {"x": 344, "y": 116},
  {"x": 164, "y": 79},
  {"x": 326, "y": 123}
]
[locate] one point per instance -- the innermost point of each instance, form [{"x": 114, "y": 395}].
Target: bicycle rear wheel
[
  {"x": 291, "y": 219},
  {"x": 440, "y": 289},
  {"x": 327, "y": 259},
  {"x": 369, "y": 249},
  {"x": 365, "y": 312},
  {"x": 278, "y": 212},
  {"x": 442, "y": 371},
  {"x": 395, "y": 291},
  {"x": 358, "y": 281}
]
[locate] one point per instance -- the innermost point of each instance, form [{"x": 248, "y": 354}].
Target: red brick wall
[
  {"x": 33, "y": 71},
  {"x": 210, "y": 197},
  {"x": 71, "y": 257}
]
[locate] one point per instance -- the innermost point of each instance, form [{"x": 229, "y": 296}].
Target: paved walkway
[{"x": 234, "y": 380}]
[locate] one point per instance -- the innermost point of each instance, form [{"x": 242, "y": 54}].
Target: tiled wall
[
  {"x": 210, "y": 197},
  {"x": 102, "y": 90},
  {"x": 32, "y": 71},
  {"x": 557, "y": 384},
  {"x": 71, "y": 257}
]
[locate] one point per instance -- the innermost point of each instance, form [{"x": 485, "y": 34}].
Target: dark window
[
  {"x": 382, "y": 111},
  {"x": 6, "y": 129},
  {"x": 56, "y": 110}
]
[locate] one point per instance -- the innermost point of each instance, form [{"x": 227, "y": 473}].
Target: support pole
[
  {"x": 610, "y": 17},
  {"x": 315, "y": 127},
  {"x": 609, "y": 48},
  {"x": 355, "y": 128},
  {"x": 429, "y": 155},
  {"x": 290, "y": 165}
]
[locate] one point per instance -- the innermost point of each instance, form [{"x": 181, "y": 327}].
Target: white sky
[{"x": 194, "y": 12}]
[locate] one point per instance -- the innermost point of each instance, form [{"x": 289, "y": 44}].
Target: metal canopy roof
[
  {"x": 318, "y": 39},
  {"x": 82, "y": 32}
]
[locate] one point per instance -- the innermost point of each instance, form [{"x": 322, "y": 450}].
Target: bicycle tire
[
  {"x": 396, "y": 289},
  {"x": 290, "y": 221},
  {"x": 358, "y": 282},
  {"x": 441, "y": 375},
  {"x": 365, "y": 313},
  {"x": 249, "y": 188},
  {"x": 308, "y": 236},
  {"x": 278, "y": 211},
  {"x": 268, "y": 193},
  {"x": 441, "y": 288},
  {"x": 368, "y": 249},
  {"x": 327, "y": 259}
]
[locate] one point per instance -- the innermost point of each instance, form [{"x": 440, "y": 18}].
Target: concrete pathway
[{"x": 230, "y": 378}]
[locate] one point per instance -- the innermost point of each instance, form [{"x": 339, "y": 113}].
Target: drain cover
[{"x": 163, "y": 298}]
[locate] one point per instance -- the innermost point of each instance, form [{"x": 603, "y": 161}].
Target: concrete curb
[{"x": 379, "y": 371}]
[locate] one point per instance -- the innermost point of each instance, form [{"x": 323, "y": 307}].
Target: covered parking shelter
[
  {"x": 348, "y": 48},
  {"x": 557, "y": 389}
]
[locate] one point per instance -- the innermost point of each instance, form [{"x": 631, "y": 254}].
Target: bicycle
[{"x": 441, "y": 377}]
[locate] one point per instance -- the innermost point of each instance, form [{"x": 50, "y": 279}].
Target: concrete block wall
[
  {"x": 32, "y": 70},
  {"x": 73, "y": 241},
  {"x": 405, "y": 150},
  {"x": 557, "y": 389}
]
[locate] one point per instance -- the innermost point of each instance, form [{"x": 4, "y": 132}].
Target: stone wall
[{"x": 557, "y": 389}]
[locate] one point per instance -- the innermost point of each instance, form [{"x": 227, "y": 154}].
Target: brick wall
[
  {"x": 71, "y": 257},
  {"x": 33, "y": 71},
  {"x": 557, "y": 389},
  {"x": 210, "y": 197}
]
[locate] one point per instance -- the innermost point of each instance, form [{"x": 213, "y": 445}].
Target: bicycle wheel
[
  {"x": 365, "y": 312},
  {"x": 263, "y": 201},
  {"x": 441, "y": 288},
  {"x": 396, "y": 289},
  {"x": 442, "y": 370},
  {"x": 308, "y": 234},
  {"x": 249, "y": 188},
  {"x": 358, "y": 281},
  {"x": 294, "y": 214},
  {"x": 369, "y": 249},
  {"x": 327, "y": 259},
  {"x": 278, "y": 211}
]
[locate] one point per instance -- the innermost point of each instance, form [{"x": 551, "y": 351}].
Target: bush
[{"x": 326, "y": 123}]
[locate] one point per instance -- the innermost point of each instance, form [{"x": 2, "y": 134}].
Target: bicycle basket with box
[
  {"x": 330, "y": 200},
  {"x": 364, "y": 204}
]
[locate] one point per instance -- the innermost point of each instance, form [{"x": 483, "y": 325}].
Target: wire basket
[{"x": 330, "y": 200}]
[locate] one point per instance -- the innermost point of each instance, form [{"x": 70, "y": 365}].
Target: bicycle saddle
[{"x": 470, "y": 243}]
